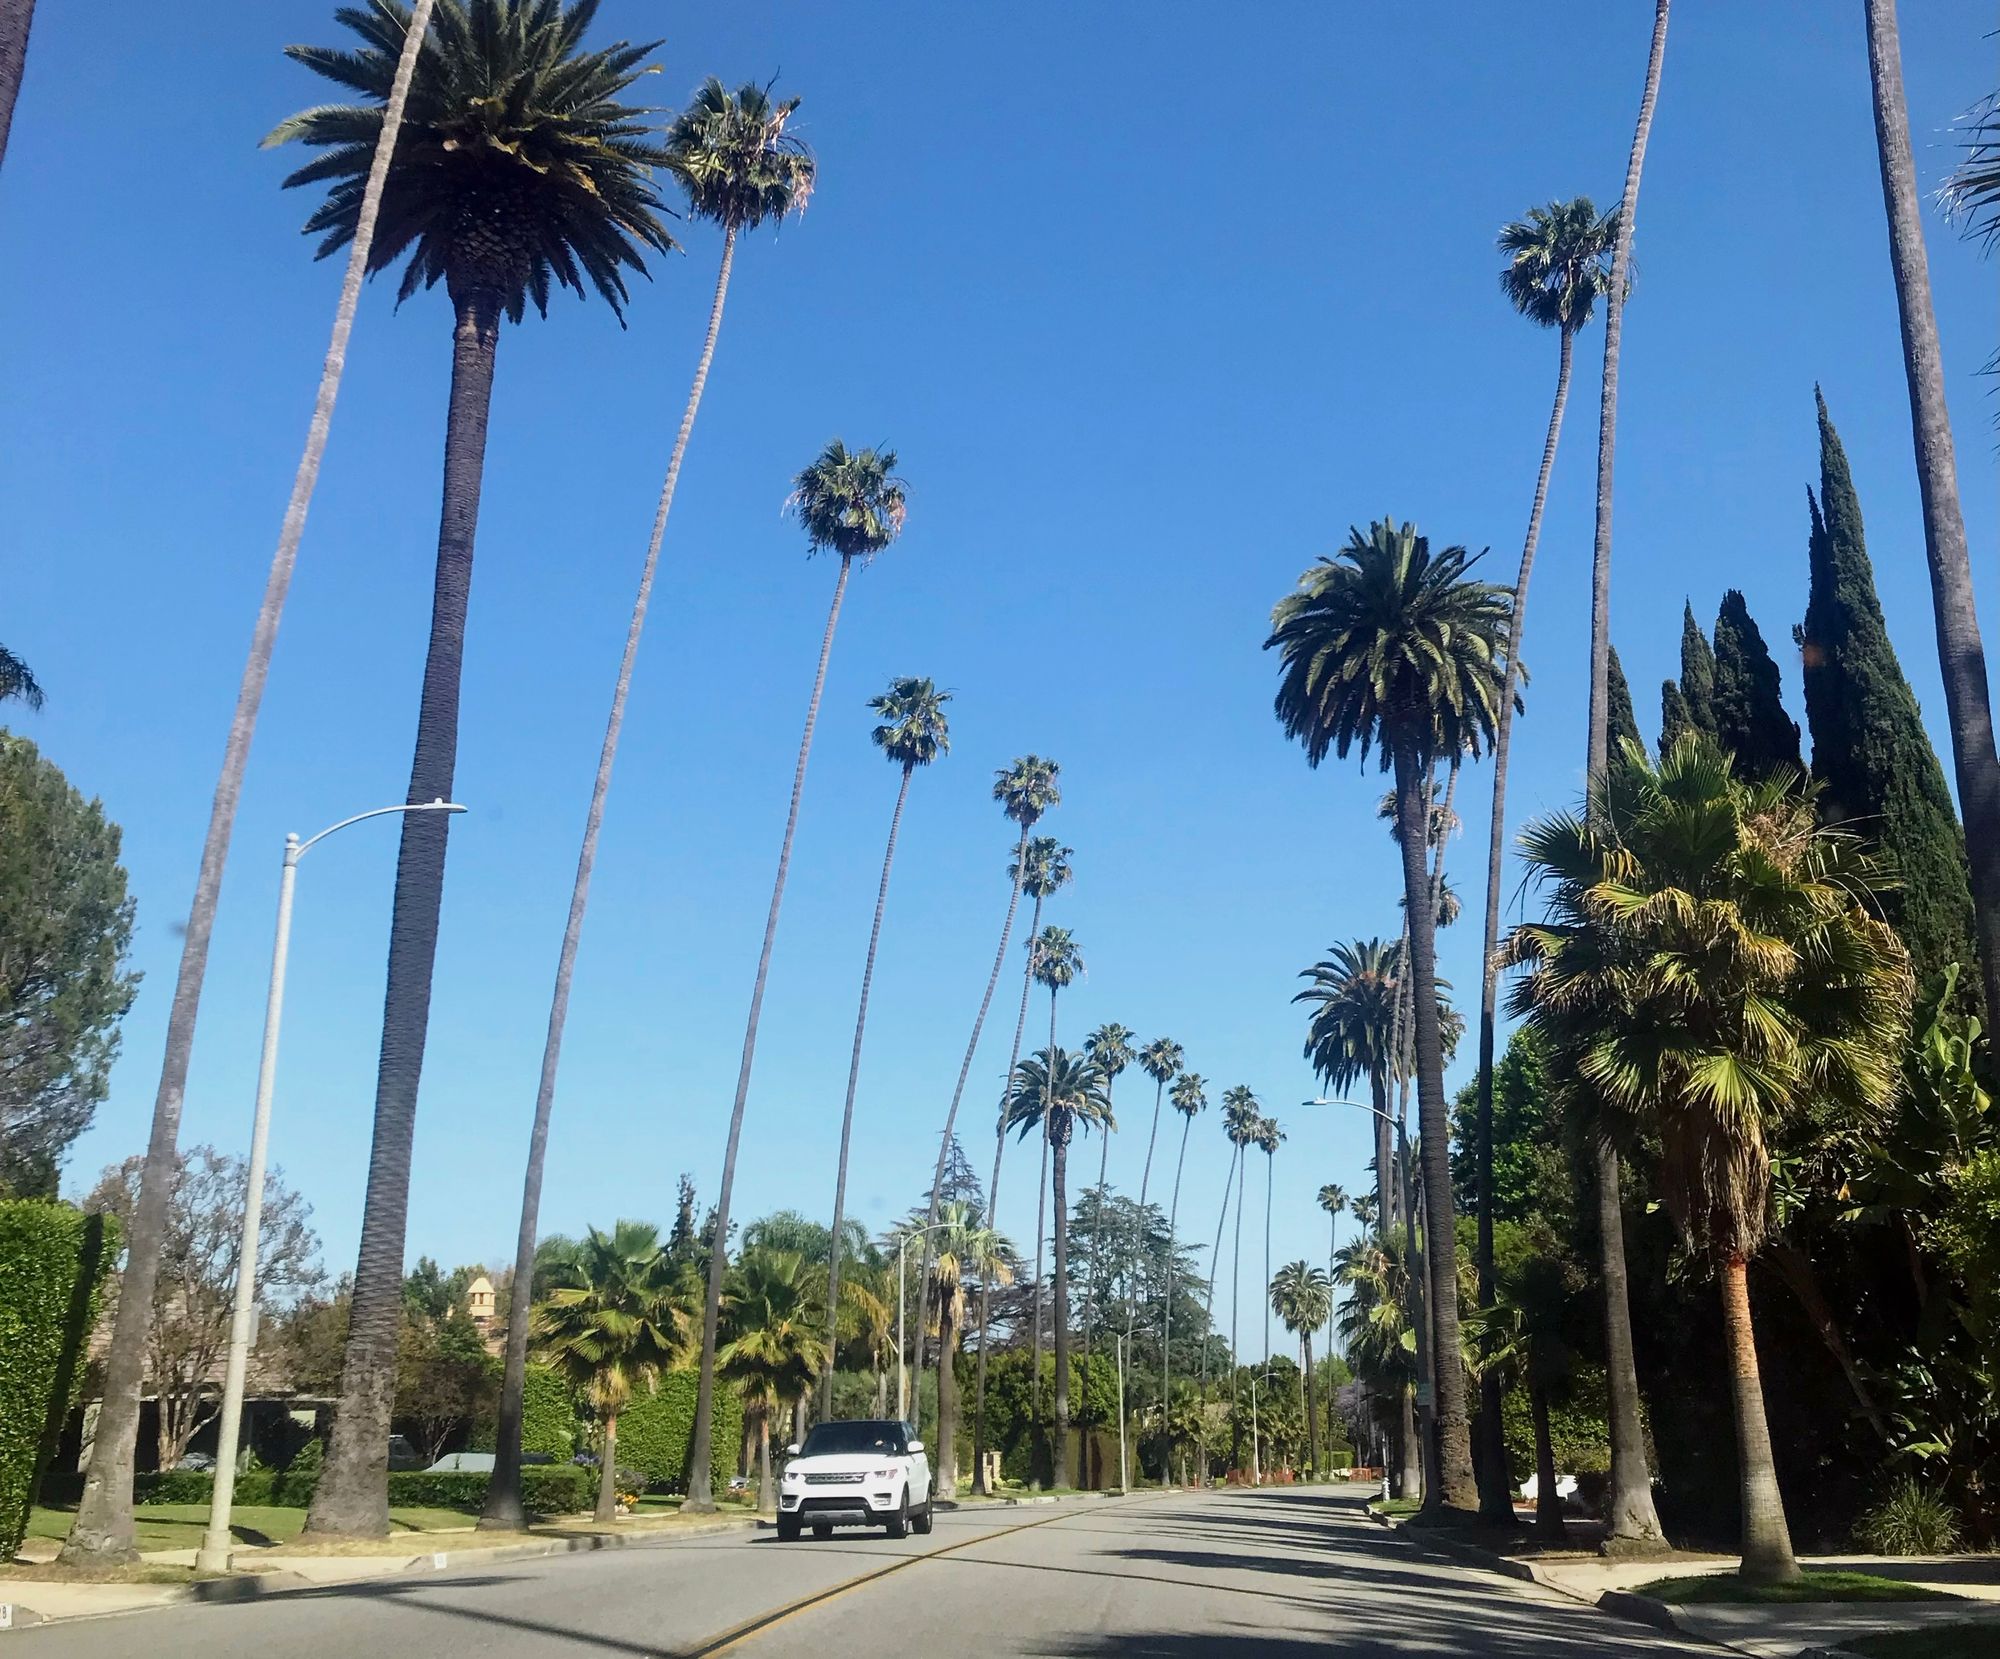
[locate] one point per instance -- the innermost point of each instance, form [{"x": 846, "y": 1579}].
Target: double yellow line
[{"x": 739, "y": 1634}]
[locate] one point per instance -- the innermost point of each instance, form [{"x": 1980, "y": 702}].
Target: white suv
[{"x": 862, "y": 1472}]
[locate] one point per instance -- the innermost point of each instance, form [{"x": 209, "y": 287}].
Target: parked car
[
  {"x": 479, "y": 1463},
  {"x": 200, "y": 1462},
  {"x": 863, "y": 1472},
  {"x": 402, "y": 1455}
]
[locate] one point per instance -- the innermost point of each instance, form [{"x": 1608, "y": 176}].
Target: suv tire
[
  {"x": 899, "y": 1523},
  {"x": 920, "y": 1522},
  {"x": 788, "y": 1529}
]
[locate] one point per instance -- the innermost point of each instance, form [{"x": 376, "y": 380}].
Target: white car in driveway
[{"x": 862, "y": 1472}]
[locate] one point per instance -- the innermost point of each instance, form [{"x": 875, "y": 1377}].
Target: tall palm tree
[
  {"x": 1557, "y": 267},
  {"x": 17, "y": 681},
  {"x": 1233, "y": 1120},
  {"x": 1524, "y": 1336},
  {"x": 739, "y": 168},
  {"x": 1377, "y": 1336},
  {"x": 1042, "y": 867},
  {"x": 1333, "y": 1199},
  {"x": 968, "y": 1249},
  {"x": 1054, "y": 963},
  {"x": 1393, "y": 646},
  {"x": 1351, "y": 1036},
  {"x": 913, "y": 732},
  {"x": 17, "y": 18},
  {"x": 772, "y": 1347},
  {"x": 498, "y": 200},
  {"x": 1025, "y": 789},
  {"x": 1242, "y": 1117},
  {"x": 1709, "y": 969},
  {"x": 1054, "y": 1095},
  {"x": 1189, "y": 1097},
  {"x": 611, "y": 1323},
  {"x": 852, "y": 504},
  {"x": 102, "y": 1533},
  {"x": 1269, "y": 1138},
  {"x": 1961, "y": 654},
  {"x": 1302, "y": 1297},
  {"x": 1632, "y": 1518},
  {"x": 1110, "y": 1045}
]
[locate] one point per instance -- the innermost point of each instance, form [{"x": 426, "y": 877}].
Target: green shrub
[
  {"x": 293, "y": 1486},
  {"x": 1579, "y": 1428},
  {"x": 1911, "y": 1519},
  {"x": 656, "y": 1431},
  {"x": 548, "y": 1414},
  {"x": 53, "y": 1259},
  {"x": 557, "y": 1488}
]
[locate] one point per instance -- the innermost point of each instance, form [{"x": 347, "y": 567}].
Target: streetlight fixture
[
  {"x": 902, "y": 1370},
  {"x": 213, "y": 1556},
  {"x": 1426, "y": 1403}
]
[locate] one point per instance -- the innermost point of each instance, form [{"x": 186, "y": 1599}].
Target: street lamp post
[
  {"x": 902, "y": 1371},
  {"x": 213, "y": 1556},
  {"x": 1418, "y": 1319}
]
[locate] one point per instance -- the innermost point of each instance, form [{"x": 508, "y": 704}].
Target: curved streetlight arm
[
  {"x": 1374, "y": 1111},
  {"x": 299, "y": 851}
]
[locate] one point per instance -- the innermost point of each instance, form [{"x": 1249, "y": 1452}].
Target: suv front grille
[{"x": 834, "y": 1479}]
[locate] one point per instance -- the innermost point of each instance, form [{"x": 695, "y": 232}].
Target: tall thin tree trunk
[
  {"x": 1167, "y": 1303},
  {"x": 607, "y": 1474},
  {"x": 502, "y": 1509},
  {"x": 102, "y": 1532},
  {"x": 1097, "y": 1247},
  {"x": 1270, "y": 1176},
  {"x": 1214, "y": 1268},
  {"x": 700, "y": 1499},
  {"x": 1312, "y": 1405},
  {"x": 1495, "y": 1497},
  {"x": 1607, "y": 413},
  {"x": 999, "y": 1151},
  {"x": 1236, "y": 1287},
  {"x": 1452, "y": 1485},
  {"x": 1548, "y": 1501},
  {"x": 767, "y": 1488},
  {"x": 1961, "y": 655},
  {"x": 1041, "y": 1296},
  {"x": 1767, "y": 1540},
  {"x": 946, "y": 1472},
  {"x": 965, "y": 1070},
  {"x": 1059, "y": 1175},
  {"x": 1631, "y": 1523},
  {"x": 853, "y": 1078},
  {"x": 1386, "y": 1206},
  {"x": 17, "y": 18},
  {"x": 352, "y": 1499}
]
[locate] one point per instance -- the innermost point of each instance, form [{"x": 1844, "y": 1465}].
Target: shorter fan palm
[
  {"x": 968, "y": 1252},
  {"x": 1302, "y": 1297},
  {"x": 774, "y": 1346}
]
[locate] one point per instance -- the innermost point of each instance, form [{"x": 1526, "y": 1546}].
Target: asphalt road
[{"x": 1245, "y": 1575}]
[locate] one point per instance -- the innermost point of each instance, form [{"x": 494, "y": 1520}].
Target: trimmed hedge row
[
  {"x": 548, "y": 1414},
  {"x": 53, "y": 1259},
  {"x": 656, "y": 1433},
  {"x": 551, "y": 1488}
]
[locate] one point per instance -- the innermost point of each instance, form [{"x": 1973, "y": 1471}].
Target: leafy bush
[
  {"x": 53, "y": 1259},
  {"x": 548, "y": 1414},
  {"x": 1912, "y": 1519},
  {"x": 293, "y": 1486},
  {"x": 557, "y": 1488},
  {"x": 656, "y": 1432}
]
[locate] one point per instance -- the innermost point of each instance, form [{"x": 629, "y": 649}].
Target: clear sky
[{"x": 1152, "y": 302}]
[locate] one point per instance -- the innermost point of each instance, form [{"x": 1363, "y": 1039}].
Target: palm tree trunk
[
  {"x": 1767, "y": 1541},
  {"x": 1451, "y": 1485},
  {"x": 1632, "y": 1524},
  {"x": 1270, "y": 1176},
  {"x": 1097, "y": 1250},
  {"x": 607, "y": 1474},
  {"x": 1548, "y": 1501},
  {"x": 946, "y": 1472},
  {"x": 1607, "y": 413},
  {"x": 1410, "y": 1482},
  {"x": 1167, "y": 1303},
  {"x": 853, "y": 1078},
  {"x": 17, "y": 17},
  {"x": 1312, "y": 1405},
  {"x": 700, "y": 1499},
  {"x": 1495, "y": 1500},
  {"x": 1041, "y": 1237},
  {"x": 767, "y": 1488},
  {"x": 965, "y": 1070},
  {"x": 353, "y": 1496},
  {"x": 1214, "y": 1272},
  {"x": 999, "y": 1151},
  {"x": 1059, "y": 1174},
  {"x": 502, "y": 1509},
  {"x": 1236, "y": 1284},
  {"x": 1386, "y": 1207},
  {"x": 102, "y": 1533},
  {"x": 1961, "y": 655}
]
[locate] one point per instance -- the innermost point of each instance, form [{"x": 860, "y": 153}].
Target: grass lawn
[
  {"x": 179, "y": 1526},
  {"x": 1395, "y": 1506},
  {"x": 1728, "y": 1587},
  {"x": 1940, "y": 1641}
]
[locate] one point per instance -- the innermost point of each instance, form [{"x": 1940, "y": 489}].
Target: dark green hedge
[
  {"x": 656, "y": 1432},
  {"x": 53, "y": 1259},
  {"x": 551, "y": 1488},
  {"x": 548, "y": 1414}
]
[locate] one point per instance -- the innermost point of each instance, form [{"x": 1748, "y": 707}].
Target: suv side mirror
[
  {"x": 916, "y": 1445},
  {"x": 792, "y": 1450}
]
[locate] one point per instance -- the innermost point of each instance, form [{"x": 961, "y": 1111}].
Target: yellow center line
[{"x": 738, "y": 1634}]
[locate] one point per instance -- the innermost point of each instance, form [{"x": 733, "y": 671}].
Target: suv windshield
[{"x": 854, "y": 1439}]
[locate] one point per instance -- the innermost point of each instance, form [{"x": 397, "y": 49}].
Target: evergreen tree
[
  {"x": 1697, "y": 673},
  {"x": 1869, "y": 745},
  {"x": 1675, "y": 718},
  {"x": 1624, "y": 723},
  {"x": 1750, "y": 718}
]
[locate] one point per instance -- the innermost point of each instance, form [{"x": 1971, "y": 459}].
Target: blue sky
[{"x": 1152, "y": 305}]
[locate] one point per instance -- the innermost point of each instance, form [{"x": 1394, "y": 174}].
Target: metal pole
[
  {"x": 1124, "y": 1475},
  {"x": 213, "y": 1556}
]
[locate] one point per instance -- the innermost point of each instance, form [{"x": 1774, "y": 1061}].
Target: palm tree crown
[
  {"x": 17, "y": 681},
  {"x": 1044, "y": 869},
  {"x": 1110, "y": 1045},
  {"x": 1269, "y": 1137},
  {"x": 914, "y": 731},
  {"x": 1332, "y": 1198},
  {"x": 612, "y": 1319},
  {"x": 1392, "y": 646},
  {"x": 1056, "y": 958},
  {"x": 1059, "y": 1092},
  {"x": 734, "y": 158},
  {"x": 1301, "y": 1296},
  {"x": 1558, "y": 262},
  {"x": 1241, "y": 1114},
  {"x": 850, "y": 501},
  {"x": 1188, "y": 1095},
  {"x": 516, "y": 166},
  {"x": 1028, "y": 788},
  {"x": 1352, "y": 1030},
  {"x": 1161, "y": 1060}
]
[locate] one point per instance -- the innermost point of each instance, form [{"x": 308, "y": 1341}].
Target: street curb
[{"x": 1456, "y": 1549}]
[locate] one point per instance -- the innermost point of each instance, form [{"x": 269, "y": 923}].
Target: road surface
[{"x": 1277, "y": 1574}]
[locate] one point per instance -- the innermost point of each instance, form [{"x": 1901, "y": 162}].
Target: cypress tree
[
  {"x": 1870, "y": 749},
  {"x": 1697, "y": 673},
  {"x": 1750, "y": 718},
  {"x": 1674, "y": 716},
  {"x": 1624, "y": 724}
]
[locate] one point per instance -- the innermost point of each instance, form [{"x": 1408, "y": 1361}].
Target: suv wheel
[
  {"x": 788, "y": 1529},
  {"x": 823, "y": 1530},
  {"x": 920, "y": 1522},
  {"x": 899, "y": 1523}
]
